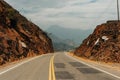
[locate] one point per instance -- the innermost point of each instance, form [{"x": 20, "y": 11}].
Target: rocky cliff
[
  {"x": 103, "y": 44},
  {"x": 20, "y": 38}
]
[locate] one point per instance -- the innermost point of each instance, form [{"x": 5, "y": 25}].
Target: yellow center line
[{"x": 51, "y": 69}]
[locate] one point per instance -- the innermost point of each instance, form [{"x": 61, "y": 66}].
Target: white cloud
[{"x": 82, "y": 14}]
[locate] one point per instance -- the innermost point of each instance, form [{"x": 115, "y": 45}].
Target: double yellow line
[{"x": 51, "y": 69}]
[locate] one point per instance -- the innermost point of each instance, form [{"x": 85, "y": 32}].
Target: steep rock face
[
  {"x": 103, "y": 44},
  {"x": 19, "y": 37}
]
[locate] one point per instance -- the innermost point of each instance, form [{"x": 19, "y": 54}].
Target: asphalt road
[
  {"x": 61, "y": 66},
  {"x": 67, "y": 68},
  {"x": 37, "y": 69}
]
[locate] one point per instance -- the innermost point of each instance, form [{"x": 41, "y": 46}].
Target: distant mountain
[
  {"x": 77, "y": 35},
  {"x": 61, "y": 44}
]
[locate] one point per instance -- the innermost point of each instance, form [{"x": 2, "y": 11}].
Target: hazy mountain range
[
  {"x": 75, "y": 35},
  {"x": 61, "y": 44}
]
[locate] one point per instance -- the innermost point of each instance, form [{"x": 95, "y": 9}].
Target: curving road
[{"x": 58, "y": 66}]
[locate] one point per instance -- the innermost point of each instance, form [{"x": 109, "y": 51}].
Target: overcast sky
[{"x": 82, "y": 14}]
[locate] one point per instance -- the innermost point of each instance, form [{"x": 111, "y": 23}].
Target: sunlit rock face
[
  {"x": 103, "y": 44},
  {"x": 20, "y": 38}
]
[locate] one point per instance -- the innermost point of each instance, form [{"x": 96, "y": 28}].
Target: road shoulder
[
  {"x": 6, "y": 67},
  {"x": 109, "y": 68}
]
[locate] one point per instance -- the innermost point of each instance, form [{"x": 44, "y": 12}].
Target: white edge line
[
  {"x": 93, "y": 66},
  {"x": 19, "y": 64}
]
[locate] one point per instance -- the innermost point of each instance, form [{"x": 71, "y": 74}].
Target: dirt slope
[
  {"x": 20, "y": 38},
  {"x": 103, "y": 44}
]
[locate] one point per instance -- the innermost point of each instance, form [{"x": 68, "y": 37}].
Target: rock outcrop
[
  {"x": 103, "y": 44},
  {"x": 20, "y": 38}
]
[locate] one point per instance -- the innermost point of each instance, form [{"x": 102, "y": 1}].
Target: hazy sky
[{"x": 83, "y": 14}]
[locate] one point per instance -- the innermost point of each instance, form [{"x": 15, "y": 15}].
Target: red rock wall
[
  {"x": 103, "y": 44},
  {"x": 20, "y": 38}
]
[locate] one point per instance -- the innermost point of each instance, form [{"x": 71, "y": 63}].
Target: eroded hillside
[
  {"x": 20, "y": 38},
  {"x": 103, "y": 44}
]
